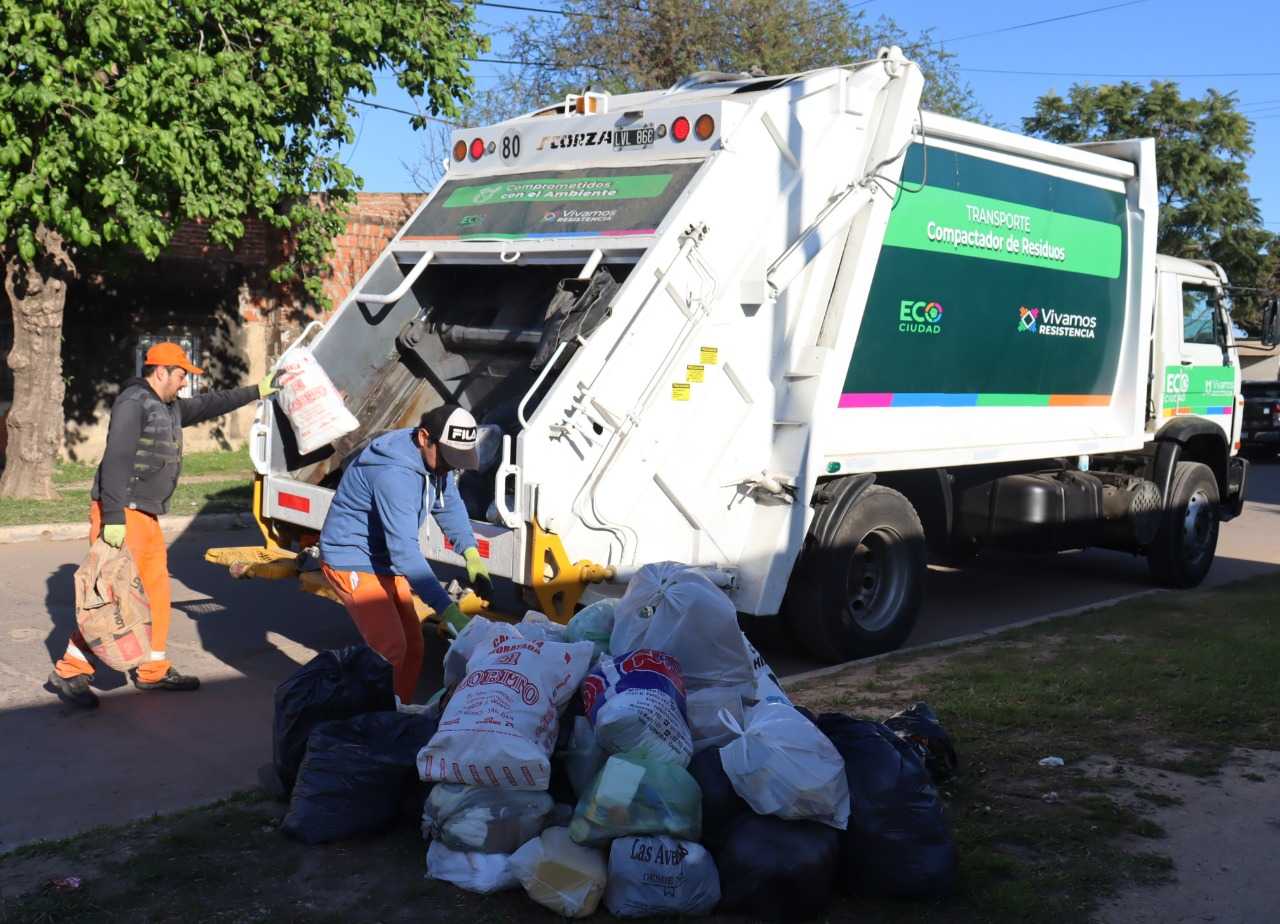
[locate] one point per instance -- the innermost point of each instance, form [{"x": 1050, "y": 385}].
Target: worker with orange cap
[{"x": 132, "y": 488}]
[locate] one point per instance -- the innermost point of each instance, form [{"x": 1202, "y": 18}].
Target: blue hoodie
[{"x": 375, "y": 518}]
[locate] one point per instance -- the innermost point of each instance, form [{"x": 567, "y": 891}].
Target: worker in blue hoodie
[{"x": 369, "y": 544}]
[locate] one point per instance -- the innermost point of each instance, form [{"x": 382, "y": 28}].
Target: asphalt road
[{"x": 64, "y": 770}]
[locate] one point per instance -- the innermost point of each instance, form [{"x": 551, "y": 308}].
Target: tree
[
  {"x": 122, "y": 119},
  {"x": 620, "y": 46},
  {"x": 1202, "y": 145}
]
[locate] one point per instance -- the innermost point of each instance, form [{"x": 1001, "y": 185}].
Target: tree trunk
[{"x": 38, "y": 293}]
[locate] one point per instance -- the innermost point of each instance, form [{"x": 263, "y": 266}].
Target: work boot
[
  {"x": 172, "y": 680},
  {"x": 74, "y": 690}
]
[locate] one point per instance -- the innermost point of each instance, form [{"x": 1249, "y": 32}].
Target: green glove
[
  {"x": 453, "y": 621},
  {"x": 478, "y": 573},
  {"x": 113, "y": 535},
  {"x": 267, "y": 387}
]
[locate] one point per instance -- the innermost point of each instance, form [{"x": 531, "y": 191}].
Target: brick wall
[
  {"x": 372, "y": 222},
  {"x": 252, "y": 327}
]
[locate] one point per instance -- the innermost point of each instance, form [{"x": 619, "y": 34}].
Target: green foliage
[
  {"x": 1202, "y": 144},
  {"x": 625, "y": 47},
  {"x": 121, "y": 119}
]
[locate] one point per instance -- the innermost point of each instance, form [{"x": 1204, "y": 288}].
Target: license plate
[{"x": 642, "y": 136}]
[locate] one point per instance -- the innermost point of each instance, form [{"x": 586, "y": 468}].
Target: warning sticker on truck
[{"x": 680, "y": 391}]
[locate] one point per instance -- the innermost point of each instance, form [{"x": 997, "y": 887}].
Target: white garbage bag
[
  {"x": 502, "y": 721},
  {"x": 482, "y": 818},
  {"x": 636, "y": 703},
  {"x": 561, "y": 875},
  {"x": 477, "y": 634},
  {"x": 703, "y": 708},
  {"x": 660, "y": 876},
  {"x": 583, "y": 757},
  {"x": 476, "y": 872},
  {"x": 783, "y": 765},
  {"x": 673, "y": 608},
  {"x": 535, "y": 625},
  {"x": 768, "y": 688},
  {"x": 311, "y": 402}
]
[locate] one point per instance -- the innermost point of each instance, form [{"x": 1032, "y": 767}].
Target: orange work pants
[
  {"x": 381, "y": 606},
  {"x": 145, "y": 542}
]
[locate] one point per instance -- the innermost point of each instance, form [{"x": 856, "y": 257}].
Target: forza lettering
[{"x": 575, "y": 140}]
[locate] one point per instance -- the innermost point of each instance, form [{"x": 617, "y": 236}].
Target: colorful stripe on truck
[{"x": 901, "y": 399}]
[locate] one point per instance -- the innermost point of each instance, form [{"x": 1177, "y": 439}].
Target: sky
[{"x": 1234, "y": 44}]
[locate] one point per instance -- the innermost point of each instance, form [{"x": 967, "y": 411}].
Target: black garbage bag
[
  {"x": 777, "y": 870},
  {"x": 333, "y": 685},
  {"x": 721, "y": 805},
  {"x": 356, "y": 776},
  {"x": 919, "y": 726},
  {"x": 898, "y": 842}
]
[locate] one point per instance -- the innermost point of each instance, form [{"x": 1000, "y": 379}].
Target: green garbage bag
[{"x": 632, "y": 795}]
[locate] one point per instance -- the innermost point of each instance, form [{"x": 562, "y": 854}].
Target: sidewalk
[{"x": 171, "y": 525}]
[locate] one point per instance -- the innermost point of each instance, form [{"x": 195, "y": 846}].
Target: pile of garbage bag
[{"x": 643, "y": 757}]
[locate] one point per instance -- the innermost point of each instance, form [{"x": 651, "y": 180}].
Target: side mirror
[{"x": 1271, "y": 324}]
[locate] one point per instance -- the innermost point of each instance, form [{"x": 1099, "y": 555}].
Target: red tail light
[
  {"x": 477, "y": 149},
  {"x": 680, "y": 129}
]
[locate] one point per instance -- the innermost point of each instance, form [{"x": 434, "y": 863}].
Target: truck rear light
[
  {"x": 460, "y": 150},
  {"x": 680, "y": 129},
  {"x": 1275, "y": 408},
  {"x": 477, "y": 149},
  {"x": 705, "y": 127},
  {"x": 294, "y": 501}
]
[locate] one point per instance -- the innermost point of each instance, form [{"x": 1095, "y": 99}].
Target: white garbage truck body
[{"x": 797, "y": 332}]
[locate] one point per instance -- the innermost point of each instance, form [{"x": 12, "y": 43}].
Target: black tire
[
  {"x": 862, "y": 591},
  {"x": 1182, "y": 552}
]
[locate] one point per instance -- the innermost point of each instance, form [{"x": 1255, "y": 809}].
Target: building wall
[{"x": 223, "y": 296}]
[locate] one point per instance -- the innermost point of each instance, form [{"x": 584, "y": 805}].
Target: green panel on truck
[
  {"x": 595, "y": 202},
  {"x": 996, "y": 286}
]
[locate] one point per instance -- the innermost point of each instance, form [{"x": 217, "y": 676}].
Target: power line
[
  {"x": 418, "y": 115},
  {"x": 1040, "y": 22},
  {"x": 992, "y": 70},
  {"x": 554, "y": 12}
]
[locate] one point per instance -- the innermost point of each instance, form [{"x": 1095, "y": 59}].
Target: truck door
[{"x": 1205, "y": 380}]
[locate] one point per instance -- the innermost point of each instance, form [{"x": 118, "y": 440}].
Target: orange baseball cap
[{"x": 170, "y": 354}]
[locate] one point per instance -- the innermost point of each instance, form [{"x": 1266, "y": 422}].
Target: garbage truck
[{"x": 791, "y": 330}]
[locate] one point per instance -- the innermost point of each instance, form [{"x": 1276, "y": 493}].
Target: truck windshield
[{"x": 592, "y": 202}]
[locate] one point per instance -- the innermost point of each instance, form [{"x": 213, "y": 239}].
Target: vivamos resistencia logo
[
  {"x": 1049, "y": 322},
  {"x": 919, "y": 317},
  {"x": 470, "y": 221}
]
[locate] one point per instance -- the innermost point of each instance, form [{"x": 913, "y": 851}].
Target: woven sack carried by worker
[
  {"x": 311, "y": 402},
  {"x": 111, "y": 607}
]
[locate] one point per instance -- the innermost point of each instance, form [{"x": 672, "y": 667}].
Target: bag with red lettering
[
  {"x": 636, "y": 703},
  {"x": 311, "y": 402},
  {"x": 502, "y": 721}
]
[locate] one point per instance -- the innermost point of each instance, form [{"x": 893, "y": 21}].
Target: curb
[
  {"x": 60, "y": 532},
  {"x": 821, "y": 672}
]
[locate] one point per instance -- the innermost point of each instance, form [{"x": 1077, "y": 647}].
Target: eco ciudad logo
[{"x": 919, "y": 317}]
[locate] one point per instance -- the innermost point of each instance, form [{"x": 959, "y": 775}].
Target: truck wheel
[
  {"x": 867, "y": 583},
  {"x": 1183, "y": 550}
]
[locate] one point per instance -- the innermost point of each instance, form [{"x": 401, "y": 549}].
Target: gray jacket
[{"x": 143, "y": 459}]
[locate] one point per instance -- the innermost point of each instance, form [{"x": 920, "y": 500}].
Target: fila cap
[{"x": 455, "y": 431}]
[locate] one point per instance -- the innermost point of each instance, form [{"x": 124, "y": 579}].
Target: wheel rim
[
  {"x": 1197, "y": 526},
  {"x": 877, "y": 581}
]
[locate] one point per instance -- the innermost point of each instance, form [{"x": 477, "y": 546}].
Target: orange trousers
[
  {"x": 145, "y": 542},
  {"x": 381, "y": 606}
]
